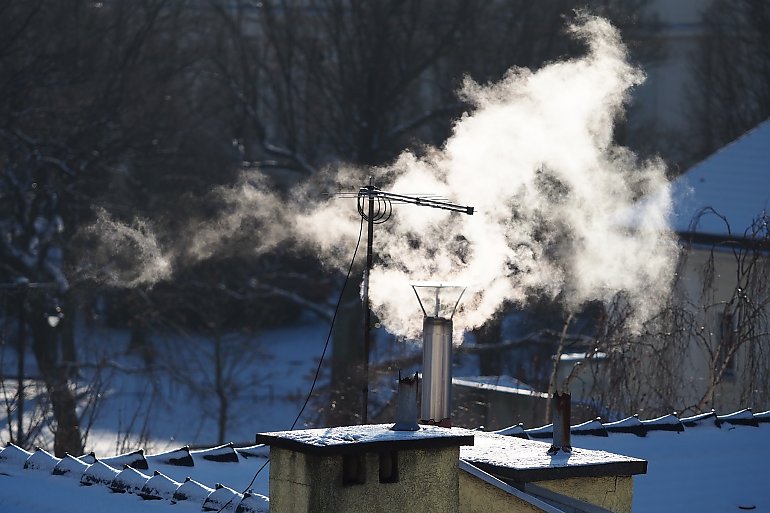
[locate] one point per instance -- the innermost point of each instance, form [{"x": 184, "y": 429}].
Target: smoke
[
  {"x": 134, "y": 254},
  {"x": 555, "y": 201},
  {"x": 555, "y": 198}
]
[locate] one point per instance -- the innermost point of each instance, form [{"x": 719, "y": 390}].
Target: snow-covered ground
[
  {"x": 127, "y": 404},
  {"x": 266, "y": 377},
  {"x": 171, "y": 403}
]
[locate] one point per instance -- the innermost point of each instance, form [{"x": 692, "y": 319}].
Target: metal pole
[{"x": 367, "y": 311}]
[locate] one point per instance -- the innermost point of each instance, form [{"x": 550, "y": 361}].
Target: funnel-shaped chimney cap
[{"x": 438, "y": 299}]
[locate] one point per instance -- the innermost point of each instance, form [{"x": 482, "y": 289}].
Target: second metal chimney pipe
[
  {"x": 406, "y": 404},
  {"x": 561, "y": 406}
]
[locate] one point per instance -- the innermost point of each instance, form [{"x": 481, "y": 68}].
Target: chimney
[
  {"x": 439, "y": 303},
  {"x": 406, "y": 404}
]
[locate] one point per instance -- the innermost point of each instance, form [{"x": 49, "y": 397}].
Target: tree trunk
[
  {"x": 553, "y": 385},
  {"x": 55, "y": 374},
  {"x": 221, "y": 389},
  {"x": 22, "y": 352}
]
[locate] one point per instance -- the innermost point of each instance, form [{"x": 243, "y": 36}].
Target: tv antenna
[{"x": 376, "y": 207}]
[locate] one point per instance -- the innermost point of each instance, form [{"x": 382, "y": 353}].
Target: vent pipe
[
  {"x": 561, "y": 405},
  {"x": 439, "y": 303},
  {"x": 406, "y": 405}
]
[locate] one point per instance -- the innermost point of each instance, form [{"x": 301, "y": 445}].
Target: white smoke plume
[
  {"x": 135, "y": 255},
  {"x": 536, "y": 158},
  {"x": 553, "y": 196}
]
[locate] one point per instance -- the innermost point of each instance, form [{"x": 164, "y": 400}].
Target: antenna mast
[{"x": 376, "y": 207}]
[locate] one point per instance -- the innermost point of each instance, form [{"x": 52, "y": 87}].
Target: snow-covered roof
[
  {"x": 345, "y": 439},
  {"x": 189, "y": 480},
  {"x": 525, "y": 460},
  {"x": 705, "y": 463},
  {"x": 734, "y": 183}
]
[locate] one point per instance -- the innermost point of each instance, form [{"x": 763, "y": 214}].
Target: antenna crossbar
[{"x": 373, "y": 192}]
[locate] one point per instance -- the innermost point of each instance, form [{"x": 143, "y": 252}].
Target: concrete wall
[
  {"x": 301, "y": 483},
  {"x": 612, "y": 493},
  {"x": 473, "y": 407},
  {"x": 477, "y": 496},
  {"x": 659, "y": 105},
  {"x": 737, "y": 390},
  {"x": 691, "y": 363}
]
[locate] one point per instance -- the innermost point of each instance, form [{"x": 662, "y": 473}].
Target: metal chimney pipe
[
  {"x": 438, "y": 302},
  {"x": 436, "y": 402}
]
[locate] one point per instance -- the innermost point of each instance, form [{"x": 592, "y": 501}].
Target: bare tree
[
  {"x": 706, "y": 348},
  {"x": 730, "y": 73},
  {"x": 328, "y": 81},
  {"x": 140, "y": 107},
  {"x": 333, "y": 80},
  {"x": 734, "y": 345},
  {"x": 70, "y": 112},
  {"x": 25, "y": 413},
  {"x": 217, "y": 363}
]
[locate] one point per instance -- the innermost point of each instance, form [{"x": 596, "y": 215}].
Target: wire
[
  {"x": 320, "y": 361},
  {"x": 331, "y": 327},
  {"x": 383, "y": 208}
]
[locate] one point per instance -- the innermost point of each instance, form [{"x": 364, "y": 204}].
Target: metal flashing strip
[
  {"x": 533, "y": 501},
  {"x": 708, "y": 418},
  {"x": 739, "y": 418},
  {"x": 536, "y": 496},
  {"x": 540, "y": 432},
  {"x": 565, "y": 502}
]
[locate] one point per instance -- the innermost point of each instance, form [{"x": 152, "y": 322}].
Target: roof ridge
[
  {"x": 721, "y": 149},
  {"x": 632, "y": 424},
  {"x": 131, "y": 480}
]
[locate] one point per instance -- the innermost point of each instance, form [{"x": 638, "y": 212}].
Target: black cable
[
  {"x": 331, "y": 326},
  {"x": 320, "y": 362},
  {"x": 383, "y": 208}
]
